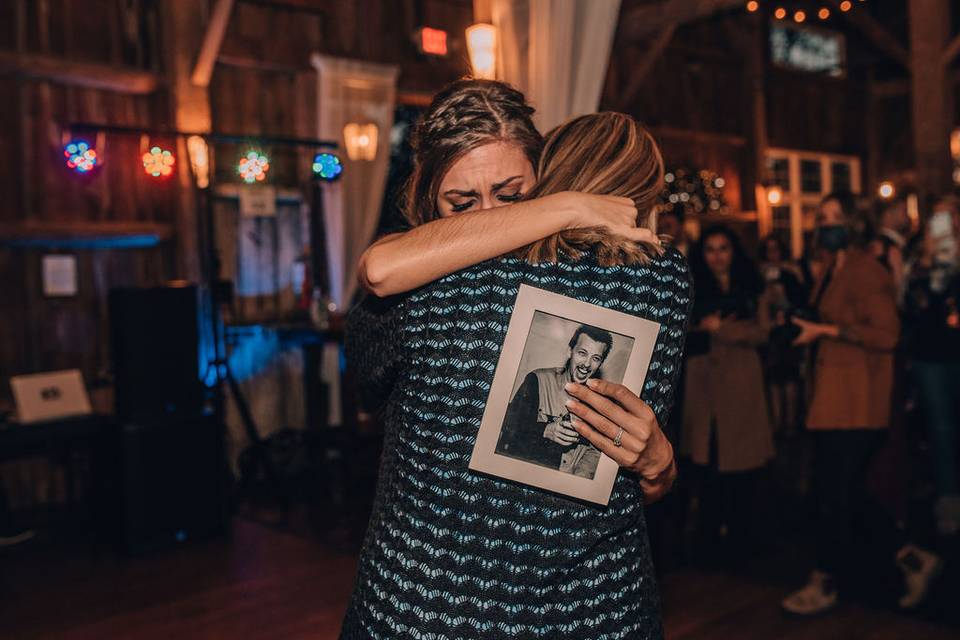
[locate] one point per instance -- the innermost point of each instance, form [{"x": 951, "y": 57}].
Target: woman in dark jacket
[{"x": 726, "y": 425}]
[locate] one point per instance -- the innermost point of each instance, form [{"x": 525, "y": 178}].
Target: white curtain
[
  {"x": 556, "y": 52},
  {"x": 361, "y": 92}
]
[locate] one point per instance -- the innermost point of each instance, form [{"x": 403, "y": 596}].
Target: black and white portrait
[
  {"x": 526, "y": 434},
  {"x": 537, "y": 425}
]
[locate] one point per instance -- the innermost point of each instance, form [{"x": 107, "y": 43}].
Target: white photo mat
[{"x": 530, "y": 300}]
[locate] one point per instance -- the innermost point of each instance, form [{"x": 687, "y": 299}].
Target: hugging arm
[
  {"x": 404, "y": 261},
  {"x": 373, "y": 346}
]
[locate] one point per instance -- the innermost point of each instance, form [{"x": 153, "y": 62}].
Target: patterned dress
[{"x": 451, "y": 554}]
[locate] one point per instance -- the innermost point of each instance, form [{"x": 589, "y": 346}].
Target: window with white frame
[{"x": 804, "y": 178}]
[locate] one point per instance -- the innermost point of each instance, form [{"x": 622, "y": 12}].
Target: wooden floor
[{"x": 267, "y": 584}]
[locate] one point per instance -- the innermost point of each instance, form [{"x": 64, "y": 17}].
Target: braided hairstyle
[{"x": 463, "y": 116}]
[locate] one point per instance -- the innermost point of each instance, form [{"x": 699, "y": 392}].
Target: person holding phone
[
  {"x": 726, "y": 424},
  {"x": 933, "y": 321},
  {"x": 856, "y": 333}
]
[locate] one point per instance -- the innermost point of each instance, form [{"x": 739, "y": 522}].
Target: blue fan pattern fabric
[{"x": 450, "y": 554}]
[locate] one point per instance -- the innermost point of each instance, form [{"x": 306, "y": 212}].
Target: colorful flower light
[
  {"x": 253, "y": 167},
  {"x": 158, "y": 162},
  {"x": 80, "y": 157},
  {"x": 327, "y": 166}
]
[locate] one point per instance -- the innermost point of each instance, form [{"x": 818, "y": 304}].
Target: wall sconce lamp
[
  {"x": 361, "y": 140},
  {"x": 482, "y": 47},
  {"x": 199, "y": 160}
]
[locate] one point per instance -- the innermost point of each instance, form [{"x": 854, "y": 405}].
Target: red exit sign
[{"x": 432, "y": 41}]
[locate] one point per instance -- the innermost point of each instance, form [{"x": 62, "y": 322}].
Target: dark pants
[
  {"x": 727, "y": 500},
  {"x": 850, "y": 523},
  {"x": 940, "y": 385},
  {"x": 6, "y": 518}
]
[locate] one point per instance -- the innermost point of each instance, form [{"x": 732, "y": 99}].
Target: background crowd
[{"x": 837, "y": 374}]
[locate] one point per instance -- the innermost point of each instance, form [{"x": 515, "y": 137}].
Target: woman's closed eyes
[
  {"x": 501, "y": 192},
  {"x": 506, "y": 198}
]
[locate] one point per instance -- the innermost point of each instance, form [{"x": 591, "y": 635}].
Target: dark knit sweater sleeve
[
  {"x": 677, "y": 304},
  {"x": 374, "y": 346}
]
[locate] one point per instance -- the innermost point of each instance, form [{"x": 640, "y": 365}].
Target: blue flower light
[
  {"x": 327, "y": 166},
  {"x": 79, "y": 156}
]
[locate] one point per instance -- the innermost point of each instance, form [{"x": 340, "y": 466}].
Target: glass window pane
[
  {"x": 781, "y": 217},
  {"x": 779, "y": 172},
  {"x": 810, "y": 181},
  {"x": 840, "y": 173}
]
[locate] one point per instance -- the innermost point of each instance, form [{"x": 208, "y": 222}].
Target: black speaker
[
  {"x": 154, "y": 339},
  {"x": 166, "y": 483}
]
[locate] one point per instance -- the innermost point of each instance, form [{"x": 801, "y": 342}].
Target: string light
[
  {"x": 800, "y": 15},
  {"x": 80, "y": 157},
  {"x": 253, "y": 167},
  {"x": 886, "y": 190},
  {"x": 327, "y": 166},
  {"x": 158, "y": 162},
  {"x": 693, "y": 192}
]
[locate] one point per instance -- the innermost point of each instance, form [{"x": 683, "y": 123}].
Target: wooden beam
[
  {"x": 414, "y": 98},
  {"x": 871, "y": 126},
  {"x": 182, "y": 32},
  {"x": 901, "y": 87},
  {"x": 640, "y": 73},
  {"x": 890, "y": 88},
  {"x": 483, "y": 11},
  {"x": 79, "y": 74},
  {"x": 951, "y": 51},
  {"x": 931, "y": 96},
  {"x": 212, "y": 39},
  {"x": 698, "y": 137},
  {"x": 641, "y": 22},
  {"x": 876, "y": 33}
]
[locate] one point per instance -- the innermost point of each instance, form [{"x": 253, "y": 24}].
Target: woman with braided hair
[
  {"x": 454, "y": 554},
  {"x": 475, "y": 151}
]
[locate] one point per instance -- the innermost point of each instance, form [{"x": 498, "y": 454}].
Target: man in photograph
[{"x": 537, "y": 426}]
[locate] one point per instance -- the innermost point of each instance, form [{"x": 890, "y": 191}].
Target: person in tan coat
[
  {"x": 726, "y": 424},
  {"x": 854, "y": 337}
]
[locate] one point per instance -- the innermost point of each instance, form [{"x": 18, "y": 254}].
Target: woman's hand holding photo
[{"x": 625, "y": 428}]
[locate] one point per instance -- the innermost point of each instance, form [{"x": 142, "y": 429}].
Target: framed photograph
[{"x": 525, "y": 434}]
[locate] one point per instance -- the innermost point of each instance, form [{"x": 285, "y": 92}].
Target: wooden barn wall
[
  {"x": 263, "y": 83},
  {"x": 36, "y": 188},
  {"x": 816, "y": 113},
  {"x": 697, "y": 100},
  {"x": 895, "y": 145}
]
